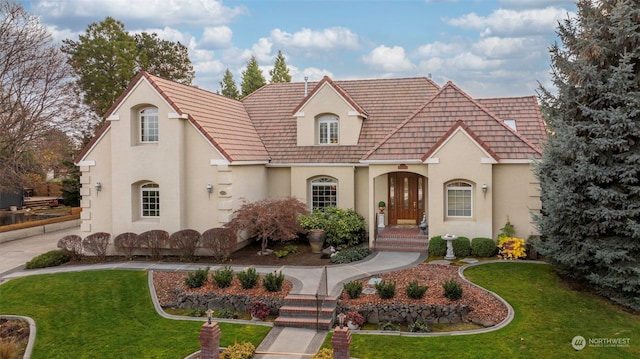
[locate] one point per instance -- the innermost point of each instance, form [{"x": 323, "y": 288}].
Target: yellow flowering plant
[{"x": 511, "y": 248}]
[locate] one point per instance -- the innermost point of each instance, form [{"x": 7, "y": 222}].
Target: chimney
[{"x": 306, "y": 84}]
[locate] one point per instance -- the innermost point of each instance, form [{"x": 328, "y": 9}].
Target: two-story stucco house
[{"x": 172, "y": 156}]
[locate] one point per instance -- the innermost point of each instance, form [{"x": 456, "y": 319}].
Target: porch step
[
  {"x": 402, "y": 244},
  {"x": 305, "y": 311}
]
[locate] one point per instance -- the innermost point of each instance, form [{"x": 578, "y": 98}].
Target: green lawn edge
[
  {"x": 547, "y": 317},
  {"x": 106, "y": 314}
]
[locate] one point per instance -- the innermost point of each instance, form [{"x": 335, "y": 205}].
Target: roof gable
[
  {"x": 415, "y": 137},
  {"x": 324, "y": 83}
]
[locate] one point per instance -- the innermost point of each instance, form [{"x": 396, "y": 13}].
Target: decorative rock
[{"x": 469, "y": 260}]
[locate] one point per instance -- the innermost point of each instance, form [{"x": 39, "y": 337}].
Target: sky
[{"x": 489, "y": 48}]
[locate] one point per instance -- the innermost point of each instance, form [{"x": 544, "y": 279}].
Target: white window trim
[
  {"x": 329, "y": 119},
  {"x": 468, "y": 188},
  {"x": 324, "y": 181},
  {"x": 141, "y": 121},
  {"x": 142, "y": 197}
]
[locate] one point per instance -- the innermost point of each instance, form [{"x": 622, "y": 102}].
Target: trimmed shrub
[
  {"x": 462, "y": 246},
  {"x": 353, "y": 289},
  {"x": 416, "y": 291},
  {"x": 185, "y": 241},
  {"x": 483, "y": 247},
  {"x": 97, "y": 243},
  {"x": 258, "y": 309},
  {"x": 227, "y": 314},
  {"x": 248, "y": 278},
  {"x": 452, "y": 289},
  {"x": 342, "y": 227},
  {"x": 386, "y": 290},
  {"x": 220, "y": 241},
  {"x": 223, "y": 277},
  {"x": 126, "y": 243},
  {"x": 272, "y": 282},
  {"x": 388, "y": 326},
  {"x": 196, "y": 279},
  {"x": 351, "y": 255},
  {"x": 437, "y": 247},
  {"x": 419, "y": 327},
  {"x": 244, "y": 350},
  {"x": 153, "y": 240},
  {"x": 72, "y": 245},
  {"x": 49, "y": 259}
]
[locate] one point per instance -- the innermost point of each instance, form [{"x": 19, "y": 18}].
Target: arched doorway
[{"x": 406, "y": 198}]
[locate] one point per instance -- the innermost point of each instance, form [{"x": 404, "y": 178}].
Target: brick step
[
  {"x": 308, "y": 312},
  {"x": 303, "y": 300},
  {"x": 38, "y": 203},
  {"x": 309, "y": 323},
  {"x": 401, "y": 245}
]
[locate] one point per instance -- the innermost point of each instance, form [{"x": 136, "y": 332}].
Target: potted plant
[
  {"x": 354, "y": 320},
  {"x": 381, "y": 206},
  {"x": 315, "y": 224},
  {"x": 258, "y": 310}
]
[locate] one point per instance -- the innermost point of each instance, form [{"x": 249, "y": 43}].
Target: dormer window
[
  {"x": 149, "y": 125},
  {"x": 328, "y": 130}
]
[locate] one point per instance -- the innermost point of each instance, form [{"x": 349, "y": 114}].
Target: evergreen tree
[
  {"x": 228, "y": 86},
  {"x": 590, "y": 171},
  {"x": 106, "y": 58},
  {"x": 280, "y": 71},
  {"x": 252, "y": 78}
]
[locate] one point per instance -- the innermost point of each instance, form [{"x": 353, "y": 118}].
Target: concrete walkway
[{"x": 290, "y": 343}]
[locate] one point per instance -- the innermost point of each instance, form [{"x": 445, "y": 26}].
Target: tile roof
[
  {"x": 406, "y": 119},
  {"x": 385, "y": 101},
  {"x": 418, "y": 135}
]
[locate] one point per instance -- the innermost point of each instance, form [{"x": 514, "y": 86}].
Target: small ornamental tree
[{"x": 269, "y": 219}]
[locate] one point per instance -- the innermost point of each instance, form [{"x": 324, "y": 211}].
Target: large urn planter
[{"x": 316, "y": 240}]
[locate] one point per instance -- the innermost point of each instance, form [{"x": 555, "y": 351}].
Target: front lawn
[
  {"x": 547, "y": 317},
  {"x": 106, "y": 314}
]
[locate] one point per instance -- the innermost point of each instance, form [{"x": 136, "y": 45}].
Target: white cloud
[
  {"x": 330, "y": 38},
  {"x": 391, "y": 59},
  {"x": 315, "y": 74},
  {"x": 216, "y": 37},
  {"x": 439, "y": 49},
  {"x": 504, "y": 22},
  {"x": 512, "y": 47},
  {"x": 145, "y": 12}
]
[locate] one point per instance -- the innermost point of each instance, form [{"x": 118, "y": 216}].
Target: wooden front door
[{"x": 406, "y": 198}]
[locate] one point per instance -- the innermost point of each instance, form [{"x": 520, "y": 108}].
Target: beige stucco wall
[
  {"x": 327, "y": 101},
  {"x": 278, "y": 182},
  {"x": 460, "y": 158},
  {"x": 96, "y": 207},
  {"x": 516, "y": 196}
]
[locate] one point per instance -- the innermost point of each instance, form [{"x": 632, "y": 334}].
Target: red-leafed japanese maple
[{"x": 269, "y": 220}]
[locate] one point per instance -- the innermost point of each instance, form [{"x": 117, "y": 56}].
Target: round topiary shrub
[
  {"x": 437, "y": 247},
  {"x": 483, "y": 247},
  {"x": 461, "y": 246}
]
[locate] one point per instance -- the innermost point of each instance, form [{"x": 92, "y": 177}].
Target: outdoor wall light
[
  {"x": 209, "y": 188},
  {"x": 484, "y": 188},
  {"x": 209, "y": 315},
  {"x": 98, "y": 186},
  {"x": 341, "y": 318}
]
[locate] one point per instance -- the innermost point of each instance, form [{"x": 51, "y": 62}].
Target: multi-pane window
[
  {"x": 149, "y": 125},
  {"x": 150, "y": 200},
  {"x": 324, "y": 193},
  {"x": 459, "y": 202},
  {"x": 328, "y": 130}
]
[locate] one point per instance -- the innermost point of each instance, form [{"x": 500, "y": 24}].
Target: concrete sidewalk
[{"x": 293, "y": 343}]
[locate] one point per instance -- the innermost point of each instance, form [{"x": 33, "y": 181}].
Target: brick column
[
  {"x": 340, "y": 342},
  {"x": 210, "y": 341}
]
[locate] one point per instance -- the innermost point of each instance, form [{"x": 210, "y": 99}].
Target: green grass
[
  {"x": 547, "y": 317},
  {"x": 106, "y": 314}
]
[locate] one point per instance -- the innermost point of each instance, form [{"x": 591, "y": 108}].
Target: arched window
[
  {"x": 150, "y": 200},
  {"x": 324, "y": 193},
  {"x": 459, "y": 199},
  {"x": 328, "y": 130},
  {"x": 149, "y": 125}
]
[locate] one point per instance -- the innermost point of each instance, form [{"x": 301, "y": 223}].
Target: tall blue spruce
[{"x": 590, "y": 171}]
